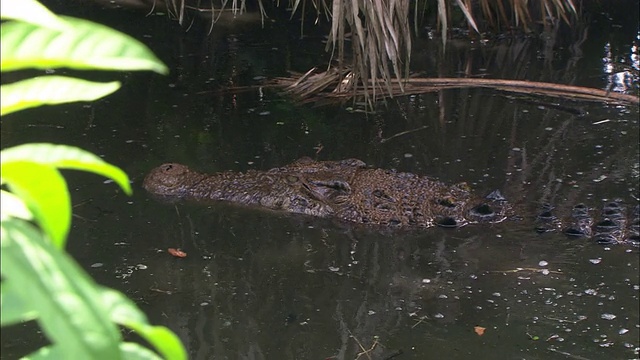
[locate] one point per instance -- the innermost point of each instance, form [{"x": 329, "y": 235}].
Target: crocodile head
[
  {"x": 304, "y": 186},
  {"x": 171, "y": 180}
]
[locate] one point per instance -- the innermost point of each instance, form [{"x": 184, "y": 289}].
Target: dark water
[{"x": 260, "y": 285}]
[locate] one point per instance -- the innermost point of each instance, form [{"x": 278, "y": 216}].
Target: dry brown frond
[
  {"x": 381, "y": 40},
  {"x": 379, "y": 31},
  {"x": 425, "y": 85}
]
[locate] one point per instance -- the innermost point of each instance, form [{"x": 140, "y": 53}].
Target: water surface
[{"x": 261, "y": 285}]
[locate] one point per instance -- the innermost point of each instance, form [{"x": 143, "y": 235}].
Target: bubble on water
[
  {"x": 426, "y": 281},
  {"x": 595, "y": 261},
  {"x": 442, "y": 296},
  {"x": 371, "y": 312},
  {"x": 543, "y": 263},
  {"x": 97, "y": 265},
  {"x": 607, "y": 316},
  {"x": 623, "y": 331},
  {"x": 438, "y": 316},
  {"x": 591, "y": 292}
]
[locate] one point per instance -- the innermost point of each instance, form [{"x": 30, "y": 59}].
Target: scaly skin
[
  {"x": 350, "y": 191},
  {"x": 344, "y": 189}
]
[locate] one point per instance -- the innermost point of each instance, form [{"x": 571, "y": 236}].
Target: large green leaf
[
  {"x": 51, "y": 90},
  {"x": 13, "y": 206},
  {"x": 66, "y": 157},
  {"x": 85, "y": 45},
  {"x": 129, "y": 351},
  {"x": 32, "y": 12},
  {"x": 44, "y": 191},
  {"x": 68, "y": 302},
  {"x": 46, "y": 353},
  {"x": 124, "y": 312},
  {"x": 13, "y": 309},
  {"x": 133, "y": 351}
]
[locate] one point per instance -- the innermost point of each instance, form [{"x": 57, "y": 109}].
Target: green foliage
[
  {"x": 40, "y": 281},
  {"x": 82, "y": 45},
  {"x": 30, "y": 171},
  {"x": 51, "y": 90}
]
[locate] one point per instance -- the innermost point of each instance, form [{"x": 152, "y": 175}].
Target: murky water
[{"x": 260, "y": 285}]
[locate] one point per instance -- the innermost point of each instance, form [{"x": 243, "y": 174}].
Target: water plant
[{"x": 40, "y": 280}]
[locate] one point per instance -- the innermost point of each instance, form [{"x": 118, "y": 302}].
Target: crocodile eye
[
  {"x": 168, "y": 167},
  {"x": 291, "y": 179},
  {"x": 447, "y": 202}
]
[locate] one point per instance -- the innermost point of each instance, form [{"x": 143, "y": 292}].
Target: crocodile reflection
[{"x": 351, "y": 191}]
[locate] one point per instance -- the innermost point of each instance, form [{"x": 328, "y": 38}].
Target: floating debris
[
  {"x": 608, "y": 316},
  {"x": 177, "y": 252}
]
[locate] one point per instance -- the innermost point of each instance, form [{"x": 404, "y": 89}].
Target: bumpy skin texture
[
  {"x": 345, "y": 189},
  {"x": 351, "y": 191}
]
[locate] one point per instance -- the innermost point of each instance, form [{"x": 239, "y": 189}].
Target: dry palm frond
[
  {"x": 380, "y": 45},
  {"x": 425, "y": 85},
  {"x": 380, "y": 40}
]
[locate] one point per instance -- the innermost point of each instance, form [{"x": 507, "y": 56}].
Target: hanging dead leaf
[
  {"x": 177, "y": 252},
  {"x": 479, "y": 330}
]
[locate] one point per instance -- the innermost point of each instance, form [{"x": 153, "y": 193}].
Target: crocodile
[{"x": 351, "y": 191}]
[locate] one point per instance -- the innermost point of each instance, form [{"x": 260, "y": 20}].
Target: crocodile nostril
[
  {"x": 482, "y": 212},
  {"x": 447, "y": 222}
]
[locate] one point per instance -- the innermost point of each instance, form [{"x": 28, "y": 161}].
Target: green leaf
[
  {"x": 165, "y": 341},
  {"x": 13, "y": 206},
  {"x": 44, "y": 191},
  {"x": 85, "y": 45},
  {"x": 46, "y": 353},
  {"x": 13, "y": 308},
  {"x": 66, "y": 157},
  {"x": 129, "y": 351},
  {"x": 51, "y": 90},
  {"x": 66, "y": 299},
  {"x": 32, "y": 12},
  {"x": 133, "y": 351},
  {"x": 124, "y": 312}
]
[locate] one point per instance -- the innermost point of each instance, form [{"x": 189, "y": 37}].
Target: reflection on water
[{"x": 259, "y": 285}]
